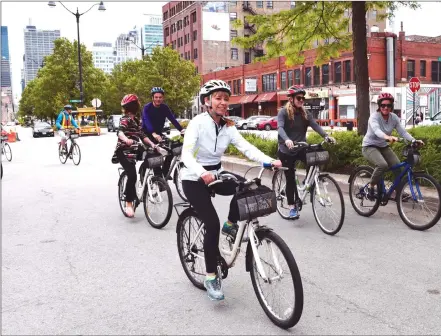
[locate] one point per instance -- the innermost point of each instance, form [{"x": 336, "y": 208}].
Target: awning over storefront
[
  {"x": 266, "y": 97},
  {"x": 235, "y": 100},
  {"x": 248, "y": 99}
]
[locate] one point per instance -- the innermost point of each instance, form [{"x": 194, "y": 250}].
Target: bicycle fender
[{"x": 249, "y": 253}]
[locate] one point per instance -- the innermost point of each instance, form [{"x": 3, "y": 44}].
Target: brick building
[
  {"x": 260, "y": 88},
  {"x": 188, "y": 27}
]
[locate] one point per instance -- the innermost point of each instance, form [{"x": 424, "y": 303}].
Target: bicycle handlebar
[{"x": 302, "y": 144}]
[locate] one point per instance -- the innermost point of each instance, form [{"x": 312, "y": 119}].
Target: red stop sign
[{"x": 414, "y": 84}]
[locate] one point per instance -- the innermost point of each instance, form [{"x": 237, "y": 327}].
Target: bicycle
[
  {"x": 174, "y": 147},
  {"x": 6, "y": 149},
  {"x": 360, "y": 194},
  {"x": 149, "y": 188},
  {"x": 316, "y": 184},
  {"x": 74, "y": 150},
  {"x": 254, "y": 200}
]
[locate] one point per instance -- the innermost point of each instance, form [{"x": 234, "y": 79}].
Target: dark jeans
[
  {"x": 289, "y": 162},
  {"x": 130, "y": 169},
  {"x": 199, "y": 197}
]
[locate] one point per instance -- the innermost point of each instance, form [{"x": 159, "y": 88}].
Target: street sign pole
[
  {"x": 414, "y": 112},
  {"x": 414, "y": 86}
]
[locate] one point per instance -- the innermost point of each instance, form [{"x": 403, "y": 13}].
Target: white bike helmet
[{"x": 212, "y": 86}]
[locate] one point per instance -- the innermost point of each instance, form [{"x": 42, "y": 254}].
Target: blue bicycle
[{"x": 409, "y": 185}]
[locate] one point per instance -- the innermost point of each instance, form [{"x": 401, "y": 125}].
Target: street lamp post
[
  {"x": 142, "y": 47},
  {"x": 77, "y": 15}
]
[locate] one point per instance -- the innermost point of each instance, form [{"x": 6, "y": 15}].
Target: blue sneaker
[
  {"x": 230, "y": 230},
  {"x": 294, "y": 214},
  {"x": 214, "y": 289}
]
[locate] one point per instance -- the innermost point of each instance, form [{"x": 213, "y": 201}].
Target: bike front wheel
[
  {"x": 159, "y": 196},
  {"x": 62, "y": 153},
  {"x": 327, "y": 196},
  {"x": 278, "y": 266},
  {"x": 76, "y": 154},
  {"x": 8, "y": 152},
  {"x": 178, "y": 182}
]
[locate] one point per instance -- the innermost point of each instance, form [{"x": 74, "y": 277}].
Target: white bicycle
[
  {"x": 5, "y": 148},
  {"x": 321, "y": 188},
  {"x": 254, "y": 200}
]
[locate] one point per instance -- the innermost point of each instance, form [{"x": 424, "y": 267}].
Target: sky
[{"x": 119, "y": 17}]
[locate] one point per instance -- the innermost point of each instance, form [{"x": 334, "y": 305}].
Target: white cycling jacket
[{"x": 205, "y": 142}]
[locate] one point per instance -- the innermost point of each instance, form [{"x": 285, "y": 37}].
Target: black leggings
[
  {"x": 199, "y": 197},
  {"x": 130, "y": 169},
  {"x": 290, "y": 174}
]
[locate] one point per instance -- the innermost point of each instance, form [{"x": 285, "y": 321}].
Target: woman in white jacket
[{"x": 206, "y": 139}]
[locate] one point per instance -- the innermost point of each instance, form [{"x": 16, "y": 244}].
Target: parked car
[
  {"x": 42, "y": 129},
  {"x": 435, "y": 120},
  {"x": 243, "y": 124},
  {"x": 268, "y": 124},
  {"x": 253, "y": 123},
  {"x": 113, "y": 122}
]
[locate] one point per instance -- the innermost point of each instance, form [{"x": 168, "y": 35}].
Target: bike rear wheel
[
  {"x": 8, "y": 151},
  {"x": 160, "y": 193},
  {"x": 428, "y": 197},
  {"x": 62, "y": 153},
  {"x": 358, "y": 192},
  {"x": 191, "y": 255},
  {"x": 287, "y": 317},
  {"x": 324, "y": 201},
  {"x": 121, "y": 187}
]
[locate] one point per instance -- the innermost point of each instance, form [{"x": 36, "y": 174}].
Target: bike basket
[
  {"x": 412, "y": 156},
  {"x": 154, "y": 160},
  {"x": 74, "y": 135},
  {"x": 254, "y": 203},
  {"x": 176, "y": 149},
  {"x": 317, "y": 158}
]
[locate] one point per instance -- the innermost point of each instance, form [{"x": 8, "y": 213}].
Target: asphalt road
[{"x": 73, "y": 264}]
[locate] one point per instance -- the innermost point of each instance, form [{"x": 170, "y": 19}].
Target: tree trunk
[{"x": 359, "y": 43}]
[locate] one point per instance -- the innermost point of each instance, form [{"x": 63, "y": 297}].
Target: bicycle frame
[{"x": 231, "y": 255}]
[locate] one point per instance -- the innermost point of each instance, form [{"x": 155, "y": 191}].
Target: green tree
[
  {"x": 57, "y": 82},
  {"x": 162, "y": 68},
  {"x": 289, "y": 33}
]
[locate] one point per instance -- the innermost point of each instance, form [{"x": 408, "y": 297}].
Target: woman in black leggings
[
  {"x": 129, "y": 133},
  {"x": 206, "y": 139}
]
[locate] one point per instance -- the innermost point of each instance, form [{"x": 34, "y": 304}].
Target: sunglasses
[
  {"x": 300, "y": 98},
  {"x": 386, "y": 105}
]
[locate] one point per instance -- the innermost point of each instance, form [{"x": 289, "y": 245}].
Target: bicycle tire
[
  {"x": 340, "y": 195},
  {"x": 273, "y": 183},
  {"x": 375, "y": 207},
  {"x": 296, "y": 278},
  {"x": 6, "y": 145},
  {"x": 145, "y": 198},
  {"x": 79, "y": 154},
  {"x": 121, "y": 193},
  {"x": 180, "y": 229},
  {"x": 400, "y": 209},
  {"x": 176, "y": 181},
  {"x": 63, "y": 158}
]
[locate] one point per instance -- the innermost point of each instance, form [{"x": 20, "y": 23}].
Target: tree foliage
[
  {"x": 162, "y": 68},
  {"x": 57, "y": 82},
  {"x": 289, "y": 33}
]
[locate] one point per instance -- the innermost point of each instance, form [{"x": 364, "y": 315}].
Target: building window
[
  {"x": 234, "y": 54},
  {"x": 290, "y": 78},
  {"x": 325, "y": 74},
  {"x": 297, "y": 77},
  {"x": 247, "y": 57},
  {"x": 269, "y": 4},
  {"x": 410, "y": 69},
  {"x": 423, "y": 68},
  {"x": 347, "y": 65},
  {"x": 269, "y": 83},
  {"x": 316, "y": 75},
  {"x": 259, "y": 4},
  {"x": 165, "y": 15},
  {"x": 436, "y": 71},
  {"x": 229, "y": 84},
  {"x": 233, "y": 16},
  {"x": 233, "y": 33},
  {"x": 308, "y": 76},
  {"x": 234, "y": 87},
  {"x": 195, "y": 53},
  {"x": 197, "y": 70},
  {"x": 337, "y": 72},
  {"x": 193, "y": 17},
  {"x": 195, "y": 35},
  {"x": 167, "y": 31},
  {"x": 233, "y": 3},
  {"x": 238, "y": 86},
  {"x": 283, "y": 81}
]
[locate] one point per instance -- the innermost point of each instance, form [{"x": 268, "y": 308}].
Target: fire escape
[{"x": 246, "y": 6}]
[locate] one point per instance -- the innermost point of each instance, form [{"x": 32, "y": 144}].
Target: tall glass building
[
  {"x": 5, "y": 63},
  {"x": 153, "y": 32}
]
